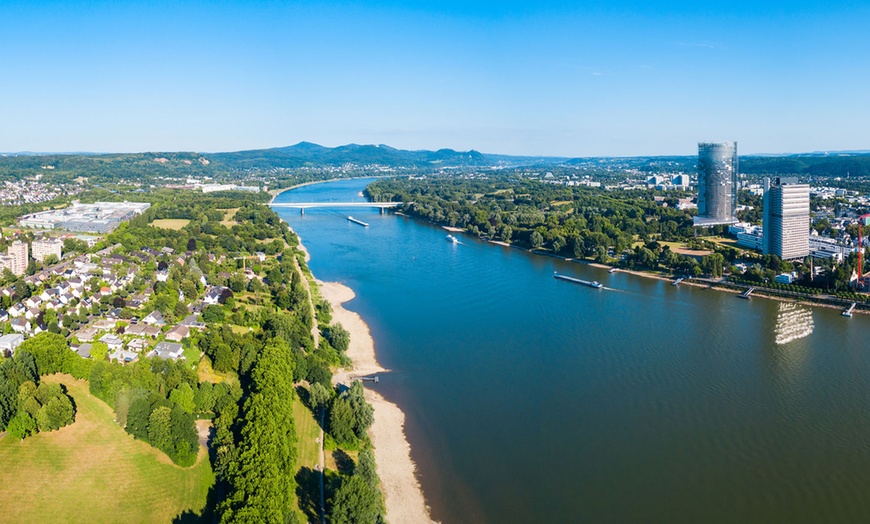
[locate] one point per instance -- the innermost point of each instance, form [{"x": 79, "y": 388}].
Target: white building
[
  {"x": 10, "y": 342},
  {"x": 43, "y": 248},
  {"x": 786, "y": 218}
]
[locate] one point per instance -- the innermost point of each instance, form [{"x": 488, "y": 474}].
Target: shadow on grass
[
  {"x": 308, "y": 493},
  {"x": 208, "y": 514},
  {"x": 343, "y": 462}
]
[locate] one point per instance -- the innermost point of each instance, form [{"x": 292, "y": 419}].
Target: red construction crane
[{"x": 862, "y": 220}]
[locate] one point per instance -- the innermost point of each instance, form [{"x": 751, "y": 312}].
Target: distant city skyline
[{"x": 620, "y": 78}]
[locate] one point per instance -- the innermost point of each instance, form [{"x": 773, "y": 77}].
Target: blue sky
[{"x": 539, "y": 78}]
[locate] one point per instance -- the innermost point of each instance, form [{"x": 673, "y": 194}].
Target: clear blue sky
[{"x": 540, "y": 78}]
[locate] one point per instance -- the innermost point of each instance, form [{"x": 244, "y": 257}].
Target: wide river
[{"x": 530, "y": 399}]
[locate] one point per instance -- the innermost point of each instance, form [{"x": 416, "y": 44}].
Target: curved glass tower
[{"x": 717, "y": 183}]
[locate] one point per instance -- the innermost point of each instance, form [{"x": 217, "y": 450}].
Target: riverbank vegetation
[{"x": 637, "y": 229}]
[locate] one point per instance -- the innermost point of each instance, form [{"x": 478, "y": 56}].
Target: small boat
[
  {"x": 613, "y": 270},
  {"x": 452, "y": 239}
]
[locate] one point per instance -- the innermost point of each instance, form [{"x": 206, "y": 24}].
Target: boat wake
[{"x": 793, "y": 322}]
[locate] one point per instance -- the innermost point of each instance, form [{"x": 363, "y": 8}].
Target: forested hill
[
  {"x": 308, "y": 154},
  {"x": 168, "y": 165}
]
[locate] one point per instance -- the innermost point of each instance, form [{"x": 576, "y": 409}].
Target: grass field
[
  {"x": 206, "y": 372},
  {"x": 170, "y": 223},
  {"x": 228, "y": 217},
  {"x": 307, "y": 431},
  {"x": 92, "y": 471}
]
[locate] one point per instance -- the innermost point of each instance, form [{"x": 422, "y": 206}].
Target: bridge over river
[{"x": 302, "y": 206}]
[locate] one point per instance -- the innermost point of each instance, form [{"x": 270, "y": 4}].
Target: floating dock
[
  {"x": 593, "y": 283},
  {"x": 677, "y": 281},
  {"x": 848, "y": 311},
  {"x": 355, "y": 221},
  {"x": 746, "y": 294}
]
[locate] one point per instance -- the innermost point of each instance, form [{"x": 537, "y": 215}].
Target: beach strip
[{"x": 402, "y": 492}]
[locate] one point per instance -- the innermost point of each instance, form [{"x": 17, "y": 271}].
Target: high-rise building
[
  {"x": 786, "y": 218},
  {"x": 42, "y": 248},
  {"x": 681, "y": 181},
  {"x": 717, "y": 183},
  {"x": 17, "y": 253}
]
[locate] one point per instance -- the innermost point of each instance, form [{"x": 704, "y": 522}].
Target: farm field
[{"x": 170, "y": 223}]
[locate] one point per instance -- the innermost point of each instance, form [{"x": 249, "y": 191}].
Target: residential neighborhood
[{"x": 110, "y": 299}]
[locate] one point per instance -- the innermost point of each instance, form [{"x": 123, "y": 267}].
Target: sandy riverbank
[{"x": 402, "y": 493}]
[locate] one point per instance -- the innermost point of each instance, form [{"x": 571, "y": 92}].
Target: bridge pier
[
  {"x": 383, "y": 210},
  {"x": 301, "y": 210}
]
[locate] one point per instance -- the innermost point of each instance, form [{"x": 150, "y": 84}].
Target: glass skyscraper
[{"x": 717, "y": 183}]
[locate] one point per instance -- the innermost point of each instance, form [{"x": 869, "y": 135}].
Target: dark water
[{"x": 530, "y": 399}]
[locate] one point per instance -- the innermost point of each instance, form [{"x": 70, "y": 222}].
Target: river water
[{"x": 530, "y": 399}]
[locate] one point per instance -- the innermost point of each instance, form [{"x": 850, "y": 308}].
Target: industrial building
[
  {"x": 99, "y": 217},
  {"x": 717, "y": 184},
  {"x": 786, "y": 218}
]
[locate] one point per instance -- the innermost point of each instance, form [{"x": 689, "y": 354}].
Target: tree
[
  {"x": 183, "y": 396},
  {"x": 354, "y": 501},
  {"x": 338, "y": 337},
  {"x": 160, "y": 428},
  {"x": 363, "y": 412},
  {"x": 536, "y": 240},
  {"x": 99, "y": 351},
  {"x": 21, "y": 425},
  {"x": 213, "y": 313},
  {"x": 341, "y": 421},
  {"x": 49, "y": 351},
  {"x": 318, "y": 396},
  {"x": 558, "y": 243}
]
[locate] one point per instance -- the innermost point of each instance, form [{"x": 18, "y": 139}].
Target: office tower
[
  {"x": 717, "y": 183},
  {"x": 786, "y": 218}
]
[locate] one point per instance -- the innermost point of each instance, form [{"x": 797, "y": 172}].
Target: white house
[
  {"x": 155, "y": 318},
  {"x": 167, "y": 350},
  {"x": 20, "y": 325},
  {"x": 112, "y": 341},
  {"x": 10, "y": 342}
]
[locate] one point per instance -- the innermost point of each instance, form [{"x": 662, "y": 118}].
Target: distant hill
[
  {"x": 308, "y": 154},
  {"x": 151, "y": 166}
]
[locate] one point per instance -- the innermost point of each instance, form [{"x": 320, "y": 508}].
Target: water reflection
[{"x": 792, "y": 322}]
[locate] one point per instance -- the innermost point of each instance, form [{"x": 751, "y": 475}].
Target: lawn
[
  {"x": 207, "y": 373},
  {"x": 307, "y": 431},
  {"x": 228, "y": 217},
  {"x": 170, "y": 223},
  {"x": 92, "y": 471}
]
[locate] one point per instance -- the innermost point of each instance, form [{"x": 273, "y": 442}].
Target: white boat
[
  {"x": 613, "y": 270},
  {"x": 453, "y": 239}
]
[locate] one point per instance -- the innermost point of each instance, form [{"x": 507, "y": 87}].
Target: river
[{"x": 530, "y": 399}]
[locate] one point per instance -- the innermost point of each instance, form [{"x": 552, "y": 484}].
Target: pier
[
  {"x": 848, "y": 311},
  {"x": 677, "y": 281},
  {"x": 355, "y": 221},
  {"x": 746, "y": 294}
]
